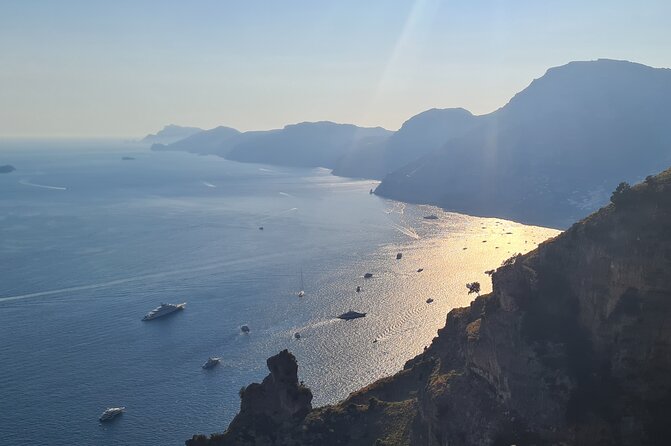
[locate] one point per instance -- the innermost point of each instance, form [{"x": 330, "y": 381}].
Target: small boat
[
  {"x": 163, "y": 310},
  {"x": 260, "y": 228},
  {"x": 211, "y": 362},
  {"x": 112, "y": 412},
  {"x": 368, "y": 275},
  {"x": 370, "y": 192},
  {"x": 244, "y": 329},
  {"x": 431, "y": 217},
  {"x": 351, "y": 314},
  {"x": 297, "y": 335},
  {"x": 358, "y": 288},
  {"x": 420, "y": 270},
  {"x": 429, "y": 300},
  {"x": 399, "y": 256}
]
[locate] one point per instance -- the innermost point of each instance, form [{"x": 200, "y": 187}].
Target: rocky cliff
[{"x": 573, "y": 347}]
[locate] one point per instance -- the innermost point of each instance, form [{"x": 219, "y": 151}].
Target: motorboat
[
  {"x": 244, "y": 329},
  {"x": 163, "y": 310},
  {"x": 111, "y": 412},
  {"x": 351, "y": 314},
  {"x": 211, "y": 362}
]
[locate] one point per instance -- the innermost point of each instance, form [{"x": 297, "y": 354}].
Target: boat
[
  {"x": 244, "y": 329},
  {"x": 260, "y": 228},
  {"x": 351, "y": 314},
  {"x": 111, "y": 412},
  {"x": 211, "y": 362},
  {"x": 368, "y": 275},
  {"x": 301, "y": 293},
  {"x": 297, "y": 335},
  {"x": 370, "y": 192},
  {"x": 163, "y": 310},
  {"x": 399, "y": 256},
  {"x": 420, "y": 270},
  {"x": 358, "y": 288},
  {"x": 431, "y": 217},
  {"x": 429, "y": 300}
]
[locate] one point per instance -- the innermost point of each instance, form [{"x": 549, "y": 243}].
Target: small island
[{"x": 7, "y": 168}]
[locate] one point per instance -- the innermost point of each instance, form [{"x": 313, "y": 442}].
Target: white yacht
[
  {"x": 163, "y": 310},
  {"x": 211, "y": 362},
  {"x": 111, "y": 413}
]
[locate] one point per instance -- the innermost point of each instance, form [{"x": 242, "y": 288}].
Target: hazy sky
[{"x": 126, "y": 68}]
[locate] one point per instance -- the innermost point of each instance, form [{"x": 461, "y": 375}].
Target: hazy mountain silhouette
[
  {"x": 419, "y": 135},
  {"x": 555, "y": 151},
  {"x": 214, "y": 141},
  {"x": 169, "y": 134},
  {"x": 308, "y": 144}
]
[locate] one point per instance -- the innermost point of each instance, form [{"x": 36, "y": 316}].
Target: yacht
[
  {"x": 420, "y": 270},
  {"x": 211, "y": 362},
  {"x": 244, "y": 329},
  {"x": 358, "y": 288},
  {"x": 111, "y": 413},
  {"x": 429, "y": 300},
  {"x": 163, "y": 310},
  {"x": 351, "y": 314}
]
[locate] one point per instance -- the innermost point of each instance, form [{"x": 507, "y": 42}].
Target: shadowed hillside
[{"x": 553, "y": 153}]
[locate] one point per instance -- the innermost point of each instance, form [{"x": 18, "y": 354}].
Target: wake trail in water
[
  {"x": 208, "y": 184},
  {"x": 42, "y": 186},
  {"x": 407, "y": 230},
  {"x": 279, "y": 214},
  {"x": 156, "y": 275}
]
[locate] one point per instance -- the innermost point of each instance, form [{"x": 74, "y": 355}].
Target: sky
[{"x": 88, "y": 68}]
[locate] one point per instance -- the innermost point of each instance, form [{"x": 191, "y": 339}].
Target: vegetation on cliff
[{"x": 573, "y": 346}]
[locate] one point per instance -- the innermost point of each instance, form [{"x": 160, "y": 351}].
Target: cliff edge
[{"x": 572, "y": 347}]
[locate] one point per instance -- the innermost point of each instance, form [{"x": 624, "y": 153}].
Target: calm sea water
[{"x": 89, "y": 243}]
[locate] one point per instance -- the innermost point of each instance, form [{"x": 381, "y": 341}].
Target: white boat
[
  {"x": 211, "y": 362},
  {"x": 111, "y": 413},
  {"x": 163, "y": 310}
]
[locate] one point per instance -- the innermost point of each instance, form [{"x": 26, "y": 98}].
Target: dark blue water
[{"x": 89, "y": 243}]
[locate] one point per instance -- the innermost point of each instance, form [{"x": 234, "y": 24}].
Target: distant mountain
[
  {"x": 170, "y": 133},
  {"x": 555, "y": 152},
  {"x": 308, "y": 144},
  {"x": 418, "y": 136},
  {"x": 214, "y": 141}
]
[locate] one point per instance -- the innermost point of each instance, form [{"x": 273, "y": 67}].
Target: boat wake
[
  {"x": 143, "y": 277},
  {"x": 407, "y": 230},
  {"x": 208, "y": 184},
  {"x": 42, "y": 186}
]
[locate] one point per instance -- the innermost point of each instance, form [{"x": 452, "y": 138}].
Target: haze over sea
[{"x": 89, "y": 243}]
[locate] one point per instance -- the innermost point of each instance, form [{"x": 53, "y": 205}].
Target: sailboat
[{"x": 301, "y": 293}]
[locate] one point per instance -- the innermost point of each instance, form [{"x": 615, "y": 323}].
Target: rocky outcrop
[{"x": 572, "y": 347}]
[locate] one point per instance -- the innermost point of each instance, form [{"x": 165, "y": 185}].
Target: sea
[{"x": 96, "y": 233}]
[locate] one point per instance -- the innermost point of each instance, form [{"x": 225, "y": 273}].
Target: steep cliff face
[{"x": 573, "y": 346}]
